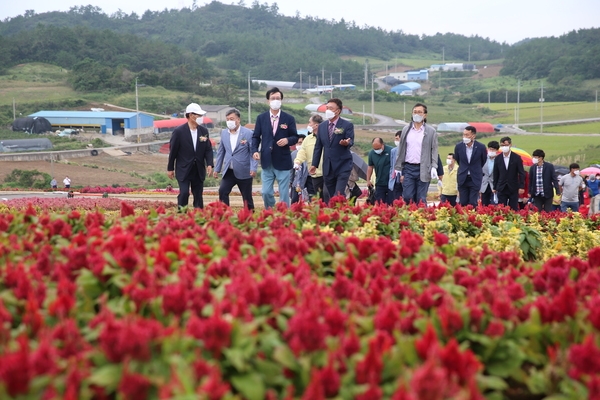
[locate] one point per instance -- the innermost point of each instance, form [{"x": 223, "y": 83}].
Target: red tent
[
  {"x": 174, "y": 123},
  {"x": 323, "y": 107},
  {"x": 483, "y": 127}
]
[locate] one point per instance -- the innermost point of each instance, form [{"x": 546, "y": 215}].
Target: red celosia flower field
[{"x": 135, "y": 301}]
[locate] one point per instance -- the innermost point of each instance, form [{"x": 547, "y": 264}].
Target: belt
[{"x": 411, "y": 163}]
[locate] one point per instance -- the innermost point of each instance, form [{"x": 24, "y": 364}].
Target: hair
[
  {"x": 233, "y": 111},
  {"x": 451, "y": 154},
  {"x": 574, "y": 166},
  {"x": 317, "y": 119},
  {"x": 539, "y": 153},
  {"x": 273, "y": 91},
  {"x": 494, "y": 145},
  {"x": 471, "y": 129},
  {"x": 337, "y": 102},
  {"x": 424, "y": 109},
  {"x": 301, "y": 136},
  {"x": 398, "y": 134},
  {"x": 506, "y": 139},
  {"x": 378, "y": 140}
]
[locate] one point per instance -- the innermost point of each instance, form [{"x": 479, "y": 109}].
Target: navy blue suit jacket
[
  {"x": 182, "y": 154},
  {"x": 511, "y": 179},
  {"x": 473, "y": 168},
  {"x": 337, "y": 158},
  {"x": 548, "y": 177},
  {"x": 279, "y": 157}
]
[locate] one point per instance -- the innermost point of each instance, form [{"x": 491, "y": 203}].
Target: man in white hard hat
[{"x": 190, "y": 157}]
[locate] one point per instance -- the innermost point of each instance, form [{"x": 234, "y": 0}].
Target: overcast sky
[{"x": 504, "y": 21}]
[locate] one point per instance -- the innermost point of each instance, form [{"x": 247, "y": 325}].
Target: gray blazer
[
  {"x": 429, "y": 152},
  {"x": 487, "y": 179},
  {"x": 240, "y": 159}
]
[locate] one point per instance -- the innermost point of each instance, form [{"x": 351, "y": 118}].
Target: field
[
  {"x": 530, "y": 112},
  {"x": 590, "y": 127}
]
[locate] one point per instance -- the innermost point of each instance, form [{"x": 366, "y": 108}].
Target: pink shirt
[
  {"x": 275, "y": 122},
  {"x": 414, "y": 144}
]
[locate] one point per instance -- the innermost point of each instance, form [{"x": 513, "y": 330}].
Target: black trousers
[
  {"x": 510, "y": 199},
  {"x": 245, "y": 185},
  {"x": 543, "y": 203},
  {"x": 197, "y": 185},
  {"x": 468, "y": 192},
  {"x": 314, "y": 186},
  {"x": 487, "y": 197}
]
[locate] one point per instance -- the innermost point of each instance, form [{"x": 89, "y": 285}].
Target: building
[
  {"x": 452, "y": 127},
  {"x": 216, "y": 113},
  {"x": 420, "y": 75},
  {"x": 453, "y": 67},
  {"x": 110, "y": 122},
  {"x": 406, "y": 89}
]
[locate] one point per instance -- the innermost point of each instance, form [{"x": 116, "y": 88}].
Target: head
[
  {"x": 301, "y": 138},
  {"x": 232, "y": 118},
  {"x": 378, "y": 145},
  {"x": 574, "y": 169},
  {"x": 450, "y": 159},
  {"x": 538, "y": 156},
  {"x": 598, "y": 177},
  {"x": 192, "y": 112},
  {"x": 505, "y": 144},
  {"x": 313, "y": 123},
  {"x": 334, "y": 108},
  {"x": 469, "y": 134},
  {"x": 274, "y": 98},
  {"x": 493, "y": 148},
  {"x": 397, "y": 138},
  {"x": 419, "y": 112}
]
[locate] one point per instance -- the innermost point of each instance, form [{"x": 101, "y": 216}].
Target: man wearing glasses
[{"x": 417, "y": 156}]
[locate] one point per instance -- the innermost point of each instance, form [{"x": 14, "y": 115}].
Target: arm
[
  {"x": 220, "y": 156},
  {"x": 173, "y": 150},
  {"x": 317, "y": 153},
  {"x": 531, "y": 181},
  {"x": 256, "y": 137},
  {"x": 208, "y": 155},
  {"x": 434, "y": 148},
  {"x": 293, "y": 132},
  {"x": 495, "y": 173},
  {"x": 521, "y": 172},
  {"x": 301, "y": 156},
  {"x": 554, "y": 180}
]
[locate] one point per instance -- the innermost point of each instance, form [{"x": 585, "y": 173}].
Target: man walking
[
  {"x": 394, "y": 184},
  {"x": 379, "y": 161},
  {"x": 190, "y": 157},
  {"x": 275, "y": 132},
  {"x": 314, "y": 182},
  {"x": 417, "y": 156},
  {"x": 67, "y": 182},
  {"x": 449, "y": 181},
  {"x": 542, "y": 182},
  {"x": 470, "y": 155},
  {"x": 234, "y": 160},
  {"x": 509, "y": 175},
  {"x": 487, "y": 181},
  {"x": 571, "y": 184},
  {"x": 334, "y": 139}
]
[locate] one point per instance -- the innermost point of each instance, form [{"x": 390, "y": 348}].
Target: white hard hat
[{"x": 194, "y": 108}]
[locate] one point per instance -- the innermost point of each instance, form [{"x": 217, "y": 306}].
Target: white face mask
[
  {"x": 505, "y": 149},
  {"x": 397, "y": 143},
  {"x": 491, "y": 154},
  {"x": 329, "y": 114},
  {"x": 418, "y": 118},
  {"x": 309, "y": 129},
  {"x": 576, "y": 172},
  {"x": 378, "y": 151},
  {"x": 466, "y": 140},
  {"x": 200, "y": 120},
  {"x": 535, "y": 161},
  {"x": 231, "y": 125},
  {"x": 448, "y": 161},
  {"x": 275, "y": 104},
  {"x": 298, "y": 146}
]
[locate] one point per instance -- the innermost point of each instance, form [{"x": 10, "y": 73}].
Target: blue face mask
[{"x": 378, "y": 151}]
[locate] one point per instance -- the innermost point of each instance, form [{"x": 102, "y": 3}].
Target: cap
[{"x": 194, "y": 108}]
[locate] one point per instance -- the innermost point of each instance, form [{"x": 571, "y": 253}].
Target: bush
[{"x": 27, "y": 179}]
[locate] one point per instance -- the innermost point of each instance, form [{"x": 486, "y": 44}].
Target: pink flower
[
  {"x": 215, "y": 332},
  {"x": 134, "y": 386}
]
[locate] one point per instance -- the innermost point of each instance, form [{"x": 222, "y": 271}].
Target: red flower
[
  {"x": 315, "y": 389},
  {"x": 215, "y": 332},
  {"x": 440, "y": 239},
  {"x": 15, "y": 369},
  {"x": 584, "y": 358},
  {"x": 175, "y": 298},
  {"x": 126, "y": 209},
  {"x": 411, "y": 243},
  {"x": 429, "y": 382},
  {"x": 427, "y": 343},
  {"x": 214, "y": 387},
  {"x": 134, "y": 386},
  {"x": 495, "y": 329}
]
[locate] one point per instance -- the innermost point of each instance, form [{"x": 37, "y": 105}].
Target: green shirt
[{"x": 381, "y": 163}]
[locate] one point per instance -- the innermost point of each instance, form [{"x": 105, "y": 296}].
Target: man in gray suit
[
  {"x": 487, "y": 182},
  {"x": 234, "y": 160},
  {"x": 417, "y": 156}
]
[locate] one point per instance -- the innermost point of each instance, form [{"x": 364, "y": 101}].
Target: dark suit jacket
[
  {"x": 548, "y": 177},
  {"x": 271, "y": 154},
  {"x": 511, "y": 180},
  {"x": 337, "y": 159},
  {"x": 182, "y": 154},
  {"x": 475, "y": 167}
]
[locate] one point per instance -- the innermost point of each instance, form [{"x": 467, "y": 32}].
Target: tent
[
  {"x": 25, "y": 145},
  {"x": 323, "y": 107},
  {"x": 167, "y": 125},
  {"x": 452, "y": 127},
  {"x": 483, "y": 127},
  {"x": 32, "y": 125}
]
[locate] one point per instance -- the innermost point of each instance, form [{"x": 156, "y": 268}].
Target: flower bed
[{"x": 344, "y": 302}]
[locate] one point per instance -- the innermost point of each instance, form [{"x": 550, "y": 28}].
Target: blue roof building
[
  {"x": 406, "y": 88},
  {"x": 106, "y": 121}
]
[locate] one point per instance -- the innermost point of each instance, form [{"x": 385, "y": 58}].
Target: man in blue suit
[
  {"x": 335, "y": 136},
  {"x": 190, "y": 157},
  {"x": 275, "y": 132},
  {"x": 234, "y": 160},
  {"x": 542, "y": 182},
  {"x": 471, "y": 156}
]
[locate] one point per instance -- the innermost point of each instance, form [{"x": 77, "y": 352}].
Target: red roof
[
  {"x": 173, "y": 123},
  {"x": 483, "y": 127}
]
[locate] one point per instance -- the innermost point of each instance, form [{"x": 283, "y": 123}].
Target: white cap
[{"x": 194, "y": 108}]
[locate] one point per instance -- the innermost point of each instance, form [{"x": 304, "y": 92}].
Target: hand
[
  {"x": 253, "y": 173},
  {"x": 215, "y": 174},
  {"x": 296, "y": 166},
  {"x": 312, "y": 170},
  {"x": 282, "y": 142},
  {"x": 345, "y": 142},
  {"x": 171, "y": 174},
  {"x": 256, "y": 156},
  {"x": 369, "y": 183},
  {"x": 401, "y": 178},
  {"x": 209, "y": 170},
  {"x": 434, "y": 174},
  {"x": 521, "y": 191}
]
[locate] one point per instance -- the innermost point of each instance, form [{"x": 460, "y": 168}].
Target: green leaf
[
  {"x": 251, "y": 386},
  {"x": 284, "y": 356},
  {"x": 236, "y": 358},
  {"x": 88, "y": 282},
  {"x": 486, "y": 382},
  {"x": 107, "y": 376}
]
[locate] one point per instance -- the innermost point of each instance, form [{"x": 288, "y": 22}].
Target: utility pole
[
  {"x": 596, "y": 100},
  {"x": 331, "y": 78},
  {"x": 301, "y": 88},
  {"x": 137, "y": 109},
  {"x": 443, "y": 55},
  {"x": 372, "y": 99},
  {"x": 404, "y": 114},
  {"x": 249, "y": 101},
  {"x": 366, "y": 75},
  {"x": 15, "y": 108},
  {"x": 363, "y": 114},
  {"x": 323, "y": 76},
  {"x": 506, "y": 107},
  {"x": 489, "y": 97},
  {"x": 340, "y": 76},
  {"x": 518, "y": 102},
  {"x": 309, "y": 81},
  {"x": 469, "y": 53},
  {"x": 542, "y": 110}
]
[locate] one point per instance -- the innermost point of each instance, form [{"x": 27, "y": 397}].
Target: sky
[{"x": 507, "y": 21}]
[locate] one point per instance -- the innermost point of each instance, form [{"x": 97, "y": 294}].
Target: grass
[
  {"x": 559, "y": 111},
  {"x": 590, "y": 127}
]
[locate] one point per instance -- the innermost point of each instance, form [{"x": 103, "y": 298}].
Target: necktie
[
  {"x": 274, "y": 123},
  {"x": 331, "y": 128}
]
